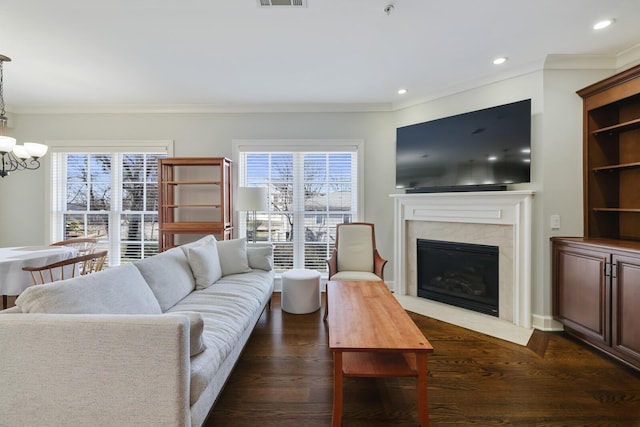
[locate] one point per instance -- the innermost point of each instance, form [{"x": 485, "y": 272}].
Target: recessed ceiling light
[
  {"x": 602, "y": 24},
  {"x": 402, "y": 91},
  {"x": 500, "y": 60}
]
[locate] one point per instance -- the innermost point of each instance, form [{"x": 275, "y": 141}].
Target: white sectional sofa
[{"x": 145, "y": 344}]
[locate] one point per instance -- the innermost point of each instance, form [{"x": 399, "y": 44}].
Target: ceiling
[{"x": 200, "y": 54}]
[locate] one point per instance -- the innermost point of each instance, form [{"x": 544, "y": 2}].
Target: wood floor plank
[{"x": 285, "y": 378}]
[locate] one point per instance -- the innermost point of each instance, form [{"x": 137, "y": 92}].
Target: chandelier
[{"x": 15, "y": 157}]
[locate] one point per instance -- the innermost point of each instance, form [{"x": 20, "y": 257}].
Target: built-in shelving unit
[
  {"x": 194, "y": 196},
  {"x": 612, "y": 157},
  {"x": 596, "y": 278}
]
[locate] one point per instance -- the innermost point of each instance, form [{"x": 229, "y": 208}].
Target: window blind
[
  {"x": 310, "y": 192},
  {"x": 109, "y": 195}
]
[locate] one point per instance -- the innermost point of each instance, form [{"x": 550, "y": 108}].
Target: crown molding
[
  {"x": 580, "y": 62},
  {"x": 521, "y": 70},
  {"x": 203, "y": 108},
  {"x": 629, "y": 57},
  {"x": 621, "y": 61}
]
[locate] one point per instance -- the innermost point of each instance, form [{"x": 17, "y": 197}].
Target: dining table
[{"x": 14, "y": 280}]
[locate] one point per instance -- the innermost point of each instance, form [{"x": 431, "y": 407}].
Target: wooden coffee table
[{"x": 371, "y": 335}]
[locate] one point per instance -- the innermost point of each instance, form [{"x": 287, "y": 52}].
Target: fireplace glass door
[{"x": 460, "y": 274}]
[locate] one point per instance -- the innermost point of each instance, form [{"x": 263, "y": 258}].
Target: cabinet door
[
  {"x": 582, "y": 293},
  {"x": 626, "y": 300}
]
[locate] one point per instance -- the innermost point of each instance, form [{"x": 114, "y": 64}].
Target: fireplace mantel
[{"x": 475, "y": 209}]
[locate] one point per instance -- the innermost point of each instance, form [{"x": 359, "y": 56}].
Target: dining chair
[
  {"x": 355, "y": 256},
  {"x": 77, "y": 266},
  {"x": 83, "y": 245}
]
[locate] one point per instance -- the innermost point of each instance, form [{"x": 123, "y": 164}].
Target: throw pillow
[
  {"x": 118, "y": 290},
  {"x": 233, "y": 256},
  {"x": 205, "y": 264},
  {"x": 169, "y": 276},
  {"x": 196, "y": 327},
  {"x": 202, "y": 241},
  {"x": 260, "y": 257}
]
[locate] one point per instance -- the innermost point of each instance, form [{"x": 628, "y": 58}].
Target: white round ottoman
[{"x": 300, "y": 291}]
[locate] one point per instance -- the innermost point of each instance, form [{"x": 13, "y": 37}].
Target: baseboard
[{"x": 546, "y": 323}]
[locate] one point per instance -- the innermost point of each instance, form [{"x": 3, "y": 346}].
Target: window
[
  {"x": 111, "y": 195},
  {"x": 312, "y": 187}
]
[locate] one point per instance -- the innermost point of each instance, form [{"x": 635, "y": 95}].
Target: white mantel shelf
[{"x": 513, "y": 208}]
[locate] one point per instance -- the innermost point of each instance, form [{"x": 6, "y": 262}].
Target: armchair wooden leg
[{"x": 326, "y": 308}]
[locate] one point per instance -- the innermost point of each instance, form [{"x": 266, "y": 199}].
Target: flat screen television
[{"x": 480, "y": 150}]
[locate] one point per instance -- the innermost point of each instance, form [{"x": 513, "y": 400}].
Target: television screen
[{"x": 483, "y": 149}]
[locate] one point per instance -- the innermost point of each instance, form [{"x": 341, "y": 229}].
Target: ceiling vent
[{"x": 290, "y": 3}]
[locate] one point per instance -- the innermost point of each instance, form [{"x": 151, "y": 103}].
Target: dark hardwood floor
[{"x": 284, "y": 378}]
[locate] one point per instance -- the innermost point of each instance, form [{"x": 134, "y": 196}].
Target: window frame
[
  {"x": 53, "y": 234},
  {"x": 299, "y": 145}
]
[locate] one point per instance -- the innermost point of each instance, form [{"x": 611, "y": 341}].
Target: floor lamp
[{"x": 252, "y": 199}]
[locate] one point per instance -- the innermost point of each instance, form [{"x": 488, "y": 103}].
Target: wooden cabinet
[
  {"x": 625, "y": 297},
  {"x": 194, "y": 197},
  {"x": 596, "y": 279},
  {"x": 582, "y": 292},
  {"x": 596, "y": 287},
  {"x": 611, "y": 155}
]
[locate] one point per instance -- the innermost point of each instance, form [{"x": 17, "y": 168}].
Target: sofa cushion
[
  {"x": 260, "y": 256},
  {"x": 227, "y": 309},
  {"x": 196, "y": 326},
  {"x": 169, "y": 276},
  {"x": 233, "y": 256},
  {"x": 120, "y": 290},
  {"x": 205, "y": 263}
]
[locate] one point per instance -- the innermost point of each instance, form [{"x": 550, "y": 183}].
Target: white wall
[
  {"x": 22, "y": 221},
  {"x": 526, "y": 86},
  {"x": 561, "y": 178},
  {"x": 556, "y": 154}
]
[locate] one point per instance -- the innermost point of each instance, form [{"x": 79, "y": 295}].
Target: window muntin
[
  {"x": 310, "y": 192},
  {"x": 111, "y": 196}
]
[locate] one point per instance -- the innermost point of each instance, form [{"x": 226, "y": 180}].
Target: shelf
[
  {"x": 611, "y": 156},
  {"x": 622, "y": 210},
  {"x": 620, "y": 127},
  {"x": 191, "y": 182},
  {"x": 383, "y": 364},
  {"x": 192, "y": 206},
  {"x": 617, "y": 167},
  {"x": 194, "y": 196},
  {"x": 195, "y": 225}
]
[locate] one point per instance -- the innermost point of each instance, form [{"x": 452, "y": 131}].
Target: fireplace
[
  {"x": 498, "y": 218},
  {"x": 460, "y": 274}
]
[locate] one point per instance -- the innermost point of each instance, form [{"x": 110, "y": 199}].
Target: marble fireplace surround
[{"x": 497, "y": 218}]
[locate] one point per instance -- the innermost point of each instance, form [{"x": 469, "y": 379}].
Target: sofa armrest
[{"x": 107, "y": 370}]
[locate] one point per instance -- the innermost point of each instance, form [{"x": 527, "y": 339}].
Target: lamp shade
[
  {"x": 21, "y": 152},
  {"x": 7, "y": 143},
  {"x": 252, "y": 199},
  {"x": 36, "y": 150}
]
